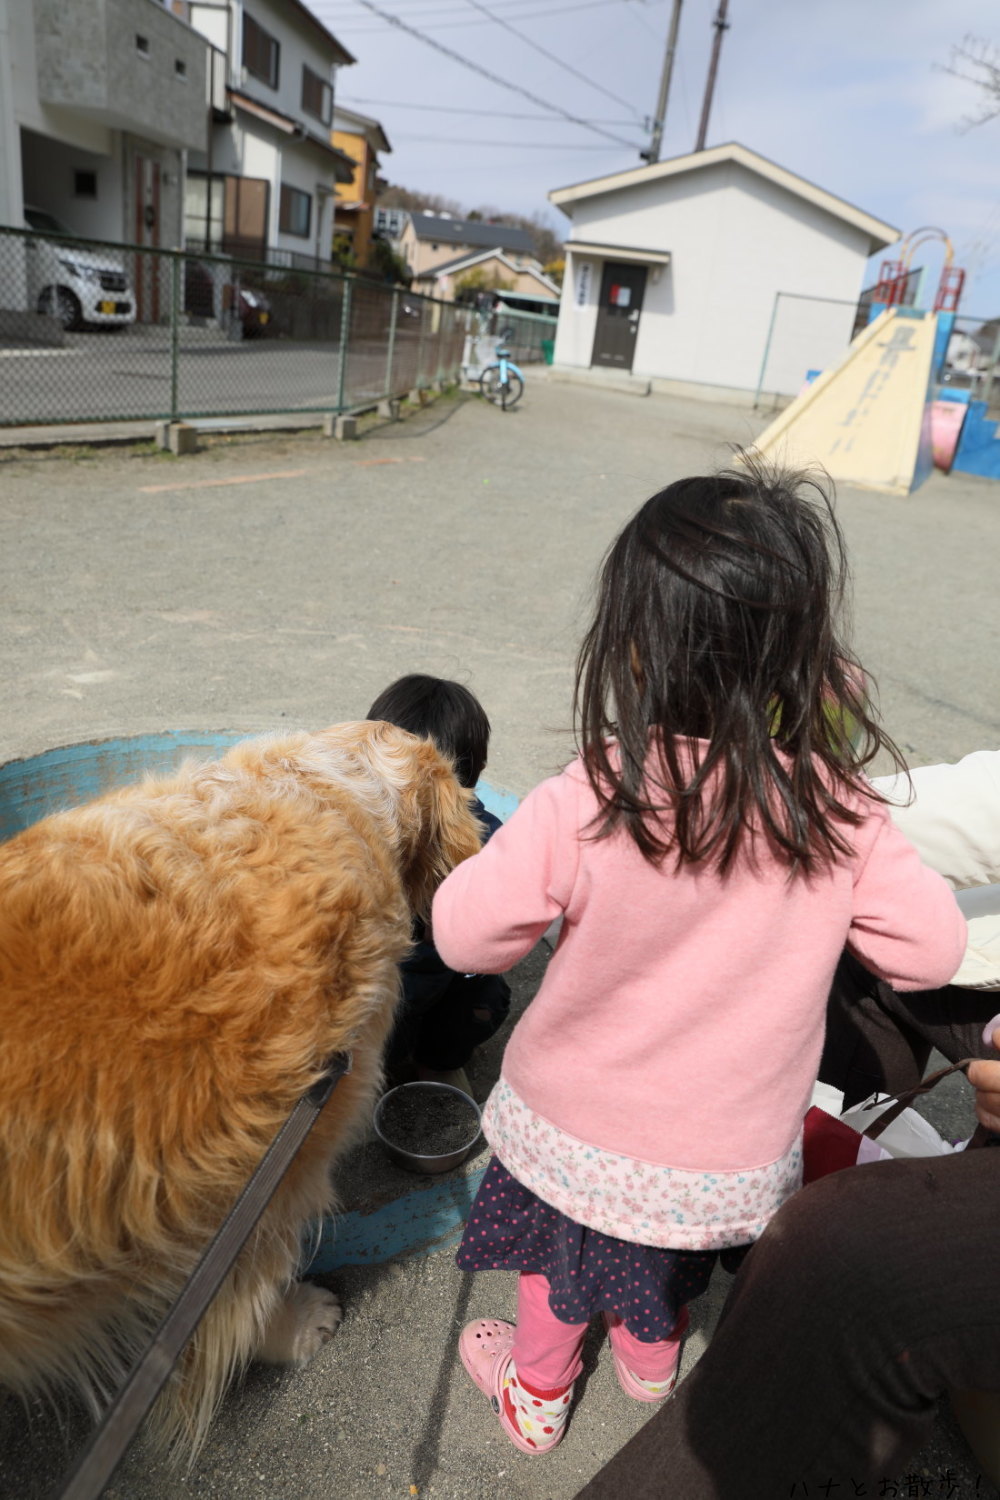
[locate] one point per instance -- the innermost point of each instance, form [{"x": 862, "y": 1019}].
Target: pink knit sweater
[{"x": 675, "y": 1039}]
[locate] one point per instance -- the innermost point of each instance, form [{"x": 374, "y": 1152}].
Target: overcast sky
[{"x": 848, "y": 93}]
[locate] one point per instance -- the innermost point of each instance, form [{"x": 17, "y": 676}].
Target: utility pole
[
  {"x": 721, "y": 24},
  {"x": 653, "y": 152}
]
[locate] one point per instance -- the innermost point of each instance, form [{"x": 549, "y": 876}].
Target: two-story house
[
  {"x": 361, "y": 138},
  {"x": 98, "y": 105},
  {"x": 264, "y": 185},
  {"x": 429, "y": 240},
  {"x": 520, "y": 278}
]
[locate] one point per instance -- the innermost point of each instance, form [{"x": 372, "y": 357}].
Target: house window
[
  {"x": 85, "y": 184},
  {"x": 180, "y": 67},
  {"x": 142, "y": 45},
  {"x": 204, "y": 198},
  {"x": 261, "y": 52},
  {"x": 295, "y": 213},
  {"x": 317, "y": 96}
]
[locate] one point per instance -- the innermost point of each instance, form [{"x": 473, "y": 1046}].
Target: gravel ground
[{"x": 271, "y": 582}]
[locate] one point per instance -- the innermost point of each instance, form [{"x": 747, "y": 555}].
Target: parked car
[
  {"x": 71, "y": 283},
  {"x": 253, "y": 308}
]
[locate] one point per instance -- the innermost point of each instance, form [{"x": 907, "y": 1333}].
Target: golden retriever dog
[{"x": 177, "y": 962}]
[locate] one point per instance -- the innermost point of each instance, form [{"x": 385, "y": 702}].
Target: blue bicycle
[{"x": 502, "y": 383}]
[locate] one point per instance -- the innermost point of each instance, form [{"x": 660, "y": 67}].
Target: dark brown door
[
  {"x": 622, "y": 289},
  {"x": 244, "y": 232}
]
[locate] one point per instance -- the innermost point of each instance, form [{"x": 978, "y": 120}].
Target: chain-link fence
[
  {"x": 806, "y": 335},
  {"x": 523, "y": 334},
  {"x": 972, "y": 360},
  {"x": 91, "y": 331}
]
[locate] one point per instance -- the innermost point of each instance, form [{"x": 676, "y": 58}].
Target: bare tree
[
  {"x": 977, "y": 61},
  {"x": 417, "y": 202}
]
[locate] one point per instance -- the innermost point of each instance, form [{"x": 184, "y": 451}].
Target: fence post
[
  {"x": 175, "y": 331},
  {"x": 439, "y": 321},
  {"x": 393, "y": 314},
  {"x": 420, "y": 341},
  {"x": 992, "y": 373},
  {"x": 767, "y": 350},
  {"x": 345, "y": 334}
]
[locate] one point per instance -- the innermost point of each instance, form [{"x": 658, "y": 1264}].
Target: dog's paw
[{"x": 307, "y": 1319}]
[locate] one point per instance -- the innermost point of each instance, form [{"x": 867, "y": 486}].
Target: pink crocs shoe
[
  {"x": 485, "y": 1347},
  {"x": 632, "y": 1384}
]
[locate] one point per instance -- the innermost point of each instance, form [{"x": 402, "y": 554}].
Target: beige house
[
  {"x": 489, "y": 270},
  {"x": 430, "y": 240}
]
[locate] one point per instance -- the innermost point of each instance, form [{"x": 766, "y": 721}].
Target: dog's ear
[
  {"x": 415, "y": 788},
  {"x": 443, "y": 830}
]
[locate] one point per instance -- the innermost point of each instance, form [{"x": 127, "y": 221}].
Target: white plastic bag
[{"x": 908, "y": 1136}]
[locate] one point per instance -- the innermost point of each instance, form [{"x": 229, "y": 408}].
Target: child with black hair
[
  {"x": 712, "y": 850},
  {"x": 443, "y": 1015}
]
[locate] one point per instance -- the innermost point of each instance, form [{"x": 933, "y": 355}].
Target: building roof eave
[
  {"x": 618, "y": 252},
  {"x": 344, "y": 165},
  {"x": 370, "y": 127},
  {"x": 342, "y": 58},
  {"x": 880, "y": 234}
]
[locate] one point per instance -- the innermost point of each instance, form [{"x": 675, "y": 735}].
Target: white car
[{"x": 71, "y": 283}]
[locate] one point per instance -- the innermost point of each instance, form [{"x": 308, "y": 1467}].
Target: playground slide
[{"x": 866, "y": 421}]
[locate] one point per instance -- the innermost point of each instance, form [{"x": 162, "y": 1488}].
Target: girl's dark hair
[
  {"x": 717, "y": 620},
  {"x": 443, "y": 711}
]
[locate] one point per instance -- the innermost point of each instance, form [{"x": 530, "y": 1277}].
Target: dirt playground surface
[{"x": 277, "y": 582}]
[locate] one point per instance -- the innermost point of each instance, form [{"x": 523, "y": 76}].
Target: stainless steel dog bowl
[{"x": 417, "y": 1161}]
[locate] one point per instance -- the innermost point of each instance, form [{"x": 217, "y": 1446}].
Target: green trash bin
[{"x": 548, "y": 350}]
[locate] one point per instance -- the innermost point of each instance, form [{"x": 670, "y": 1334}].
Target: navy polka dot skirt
[{"x": 509, "y": 1229}]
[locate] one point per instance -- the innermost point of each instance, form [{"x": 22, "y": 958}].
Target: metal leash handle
[{"x": 108, "y": 1445}]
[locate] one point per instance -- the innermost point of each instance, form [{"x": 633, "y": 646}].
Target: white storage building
[{"x": 673, "y": 271}]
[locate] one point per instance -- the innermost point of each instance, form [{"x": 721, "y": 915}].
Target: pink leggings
[{"x": 547, "y": 1351}]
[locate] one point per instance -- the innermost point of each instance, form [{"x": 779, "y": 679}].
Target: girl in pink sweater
[{"x": 711, "y": 852}]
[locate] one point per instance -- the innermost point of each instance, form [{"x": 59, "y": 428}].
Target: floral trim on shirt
[{"x": 631, "y": 1199}]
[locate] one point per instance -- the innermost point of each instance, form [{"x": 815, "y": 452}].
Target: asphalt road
[
  {"x": 112, "y": 375},
  {"x": 275, "y": 582}
]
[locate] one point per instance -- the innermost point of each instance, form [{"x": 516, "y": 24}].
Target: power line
[
  {"x": 551, "y": 56},
  {"x": 467, "y": 62},
  {"x": 360, "y": 29},
  {"x": 429, "y": 12},
  {"x": 454, "y": 109},
  {"x": 449, "y": 140}
]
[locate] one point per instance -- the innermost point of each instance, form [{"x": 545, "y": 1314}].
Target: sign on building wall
[{"x": 583, "y": 276}]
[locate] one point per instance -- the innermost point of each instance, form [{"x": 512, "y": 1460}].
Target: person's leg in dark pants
[
  {"x": 870, "y": 1294},
  {"x": 878, "y": 1038},
  {"x": 468, "y": 1012}
]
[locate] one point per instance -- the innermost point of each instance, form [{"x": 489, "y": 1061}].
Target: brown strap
[
  {"x": 106, "y": 1449},
  {"x": 875, "y": 1129}
]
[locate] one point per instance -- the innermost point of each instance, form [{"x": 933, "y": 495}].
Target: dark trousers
[
  {"x": 879, "y": 1039},
  {"x": 870, "y": 1294},
  {"x": 443, "y": 1017}
]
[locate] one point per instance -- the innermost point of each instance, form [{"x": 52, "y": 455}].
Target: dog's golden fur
[{"x": 177, "y": 960}]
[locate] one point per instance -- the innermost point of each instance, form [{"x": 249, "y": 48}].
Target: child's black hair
[
  {"x": 443, "y": 711},
  {"x": 717, "y": 621}
]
